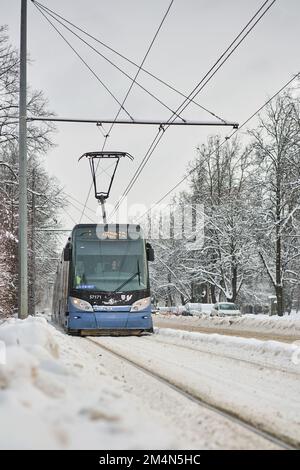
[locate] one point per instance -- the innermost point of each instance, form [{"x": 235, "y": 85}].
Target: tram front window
[{"x": 110, "y": 265}]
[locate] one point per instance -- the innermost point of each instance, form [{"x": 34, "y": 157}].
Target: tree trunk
[
  {"x": 279, "y": 295},
  {"x": 213, "y": 294},
  {"x": 170, "y": 298},
  {"x": 234, "y": 283},
  {"x": 192, "y": 292}
]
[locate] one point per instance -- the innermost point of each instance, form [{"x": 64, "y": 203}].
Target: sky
[{"x": 192, "y": 38}]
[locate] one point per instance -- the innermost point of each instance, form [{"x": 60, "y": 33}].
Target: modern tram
[{"x": 102, "y": 282}]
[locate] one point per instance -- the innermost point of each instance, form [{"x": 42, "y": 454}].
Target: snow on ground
[
  {"x": 289, "y": 325},
  {"x": 273, "y": 354},
  {"x": 52, "y": 395},
  {"x": 63, "y": 392},
  {"x": 254, "y": 380}
]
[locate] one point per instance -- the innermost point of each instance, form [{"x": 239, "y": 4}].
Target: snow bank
[
  {"x": 273, "y": 354},
  {"x": 56, "y": 394},
  {"x": 289, "y": 325}
]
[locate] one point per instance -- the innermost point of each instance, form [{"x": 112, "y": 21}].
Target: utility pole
[
  {"x": 23, "y": 267},
  {"x": 32, "y": 271}
]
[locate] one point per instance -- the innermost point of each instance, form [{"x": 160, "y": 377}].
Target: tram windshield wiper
[{"x": 138, "y": 273}]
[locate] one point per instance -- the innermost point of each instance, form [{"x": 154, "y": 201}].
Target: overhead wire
[
  {"x": 155, "y": 77},
  {"x": 79, "y": 210},
  {"x": 188, "y": 99},
  {"x": 159, "y": 135},
  {"x": 132, "y": 79},
  {"x": 142, "y": 63},
  {"x": 196, "y": 90},
  {"x": 83, "y": 61},
  {"x": 130, "y": 88},
  {"x": 69, "y": 196},
  {"x": 222, "y": 143}
]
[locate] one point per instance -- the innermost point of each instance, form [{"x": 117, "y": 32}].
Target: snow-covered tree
[
  {"x": 251, "y": 202},
  {"x": 276, "y": 143},
  {"x": 43, "y": 192},
  {"x": 221, "y": 180},
  {"x": 38, "y": 134}
]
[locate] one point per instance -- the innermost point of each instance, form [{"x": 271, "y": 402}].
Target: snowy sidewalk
[
  {"x": 53, "y": 394},
  {"x": 285, "y": 328}
]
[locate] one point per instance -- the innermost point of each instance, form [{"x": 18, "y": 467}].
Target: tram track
[{"x": 282, "y": 442}]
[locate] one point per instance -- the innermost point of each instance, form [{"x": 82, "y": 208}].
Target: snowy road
[
  {"x": 184, "y": 424},
  {"x": 63, "y": 392},
  {"x": 259, "y": 390}
]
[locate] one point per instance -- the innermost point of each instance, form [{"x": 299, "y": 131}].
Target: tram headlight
[
  {"x": 80, "y": 304},
  {"x": 140, "y": 304}
]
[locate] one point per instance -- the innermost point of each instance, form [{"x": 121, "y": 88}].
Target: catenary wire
[
  {"x": 132, "y": 79},
  {"x": 222, "y": 143},
  {"x": 83, "y": 61},
  {"x": 147, "y": 72},
  {"x": 199, "y": 87},
  {"x": 129, "y": 90}
]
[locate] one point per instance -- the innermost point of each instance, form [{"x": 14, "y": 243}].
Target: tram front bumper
[{"x": 113, "y": 320}]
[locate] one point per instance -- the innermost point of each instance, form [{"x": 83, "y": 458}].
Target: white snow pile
[
  {"x": 288, "y": 325},
  {"x": 272, "y": 354},
  {"x": 55, "y": 393}
]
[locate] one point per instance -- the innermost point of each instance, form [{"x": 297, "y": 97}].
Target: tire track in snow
[{"x": 281, "y": 442}]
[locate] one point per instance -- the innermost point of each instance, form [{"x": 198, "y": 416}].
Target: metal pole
[
  {"x": 143, "y": 122},
  {"x": 102, "y": 202},
  {"x": 23, "y": 268}
]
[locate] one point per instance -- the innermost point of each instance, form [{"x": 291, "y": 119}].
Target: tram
[{"x": 102, "y": 281}]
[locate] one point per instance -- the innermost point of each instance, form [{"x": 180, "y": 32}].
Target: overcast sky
[{"x": 193, "y": 36}]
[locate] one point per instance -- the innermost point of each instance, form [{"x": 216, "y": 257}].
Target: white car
[
  {"x": 223, "y": 309},
  {"x": 191, "y": 309}
]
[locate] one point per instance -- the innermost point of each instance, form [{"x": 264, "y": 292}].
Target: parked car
[
  {"x": 223, "y": 309},
  {"x": 173, "y": 310},
  {"x": 191, "y": 309},
  {"x": 168, "y": 310},
  {"x": 206, "y": 309}
]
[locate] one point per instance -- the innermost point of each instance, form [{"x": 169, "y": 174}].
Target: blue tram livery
[{"x": 102, "y": 281}]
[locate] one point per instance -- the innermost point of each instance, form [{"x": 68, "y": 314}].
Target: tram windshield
[{"x": 109, "y": 265}]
